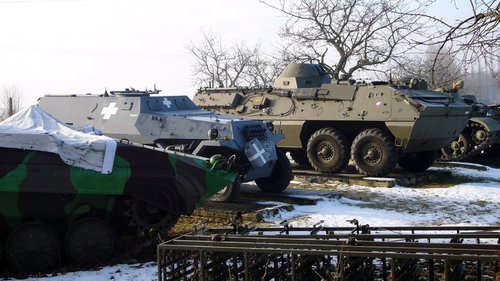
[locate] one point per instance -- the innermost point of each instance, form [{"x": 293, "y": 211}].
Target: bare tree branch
[
  {"x": 218, "y": 65},
  {"x": 10, "y": 101},
  {"x": 362, "y": 33},
  {"x": 471, "y": 40}
]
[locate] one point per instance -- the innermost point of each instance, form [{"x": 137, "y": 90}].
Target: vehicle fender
[{"x": 489, "y": 123}]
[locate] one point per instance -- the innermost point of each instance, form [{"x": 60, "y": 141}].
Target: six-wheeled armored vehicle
[
  {"x": 175, "y": 123},
  {"x": 67, "y": 194},
  {"x": 326, "y": 122}
]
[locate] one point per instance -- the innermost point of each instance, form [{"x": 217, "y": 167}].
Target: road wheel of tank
[
  {"x": 478, "y": 134},
  {"x": 457, "y": 149},
  {"x": 32, "y": 247},
  {"x": 328, "y": 151},
  {"x": 149, "y": 219},
  {"x": 373, "y": 153},
  {"x": 300, "y": 157},
  {"x": 280, "y": 176},
  {"x": 228, "y": 194},
  {"x": 90, "y": 241},
  {"x": 417, "y": 161}
]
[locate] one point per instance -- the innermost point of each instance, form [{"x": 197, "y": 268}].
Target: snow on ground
[
  {"x": 133, "y": 272},
  {"x": 471, "y": 203}
]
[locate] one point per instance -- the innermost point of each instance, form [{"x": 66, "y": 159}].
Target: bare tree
[
  {"x": 441, "y": 69},
  {"x": 10, "y": 101},
  {"x": 211, "y": 60},
  {"x": 363, "y": 34},
  {"x": 264, "y": 69},
  {"x": 218, "y": 65},
  {"x": 446, "y": 68},
  {"x": 476, "y": 38}
]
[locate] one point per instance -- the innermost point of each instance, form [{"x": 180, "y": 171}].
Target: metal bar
[
  {"x": 243, "y": 242},
  {"x": 463, "y": 235},
  {"x": 372, "y": 228},
  {"x": 247, "y": 274},
  {"x": 431, "y": 270},
  {"x": 414, "y": 247},
  {"x": 373, "y": 254}
]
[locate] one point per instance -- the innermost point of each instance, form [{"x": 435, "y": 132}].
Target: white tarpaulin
[{"x": 34, "y": 129}]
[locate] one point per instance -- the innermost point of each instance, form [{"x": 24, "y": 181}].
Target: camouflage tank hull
[{"x": 49, "y": 209}]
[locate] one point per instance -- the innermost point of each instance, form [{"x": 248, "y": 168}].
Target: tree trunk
[{"x": 11, "y": 109}]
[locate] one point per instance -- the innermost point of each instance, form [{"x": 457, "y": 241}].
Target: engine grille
[{"x": 255, "y": 131}]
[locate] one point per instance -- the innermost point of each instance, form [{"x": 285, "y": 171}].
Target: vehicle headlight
[
  {"x": 213, "y": 134},
  {"x": 270, "y": 126}
]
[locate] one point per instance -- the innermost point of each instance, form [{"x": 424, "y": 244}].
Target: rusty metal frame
[{"x": 211, "y": 254}]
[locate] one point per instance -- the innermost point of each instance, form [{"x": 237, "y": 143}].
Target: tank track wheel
[
  {"x": 280, "y": 176},
  {"x": 458, "y": 149},
  {"x": 32, "y": 247},
  {"x": 300, "y": 157},
  {"x": 417, "y": 161},
  {"x": 479, "y": 134},
  {"x": 149, "y": 219},
  {"x": 374, "y": 153},
  {"x": 228, "y": 194},
  {"x": 328, "y": 151},
  {"x": 90, "y": 241}
]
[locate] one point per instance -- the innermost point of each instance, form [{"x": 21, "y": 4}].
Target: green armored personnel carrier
[
  {"x": 68, "y": 194},
  {"x": 326, "y": 122},
  {"x": 175, "y": 123}
]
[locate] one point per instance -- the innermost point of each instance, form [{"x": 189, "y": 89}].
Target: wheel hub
[
  {"x": 325, "y": 151},
  {"x": 455, "y": 145},
  {"x": 372, "y": 154},
  {"x": 480, "y": 135},
  {"x": 148, "y": 218}
]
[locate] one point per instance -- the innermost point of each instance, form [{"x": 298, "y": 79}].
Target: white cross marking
[
  {"x": 167, "y": 102},
  {"x": 260, "y": 153},
  {"x": 110, "y": 110}
]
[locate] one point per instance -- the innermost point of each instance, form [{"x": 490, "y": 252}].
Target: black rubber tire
[
  {"x": 380, "y": 144},
  {"x": 457, "y": 149},
  {"x": 334, "y": 147},
  {"x": 90, "y": 241},
  {"x": 300, "y": 158},
  {"x": 417, "y": 161},
  {"x": 280, "y": 176},
  {"x": 32, "y": 247},
  {"x": 228, "y": 194}
]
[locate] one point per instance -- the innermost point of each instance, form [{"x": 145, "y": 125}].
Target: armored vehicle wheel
[
  {"x": 479, "y": 134},
  {"x": 280, "y": 176},
  {"x": 373, "y": 153},
  {"x": 149, "y": 218},
  {"x": 457, "y": 149},
  {"x": 417, "y": 161},
  {"x": 328, "y": 151},
  {"x": 32, "y": 247},
  {"x": 90, "y": 241},
  {"x": 228, "y": 194},
  {"x": 300, "y": 157}
]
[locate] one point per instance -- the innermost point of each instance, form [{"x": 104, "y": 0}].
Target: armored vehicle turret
[
  {"x": 67, "y": 194},
  {"x": 175, "y": 123},
  {"x": 326, "y": 122}
]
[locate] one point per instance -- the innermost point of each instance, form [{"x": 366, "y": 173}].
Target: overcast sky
[{"x": 85, "y": 46}]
